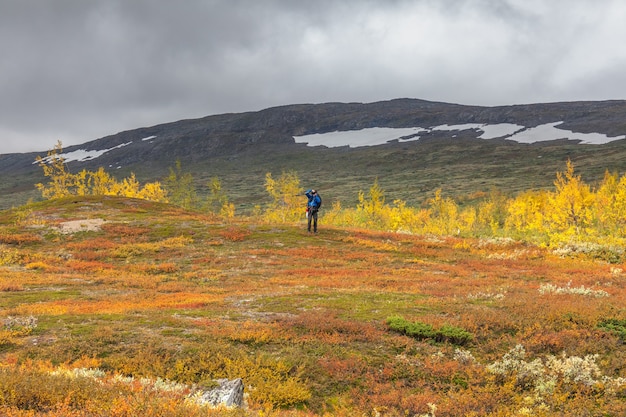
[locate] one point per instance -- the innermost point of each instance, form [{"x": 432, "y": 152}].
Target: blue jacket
[{"x": 314, "y": 199}]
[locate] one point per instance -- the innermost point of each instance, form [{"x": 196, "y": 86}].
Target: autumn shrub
[
  {"x": 234, "y": 234},
  {"x": 82, "y": 392},
  {"x": 121, "y": 229},
  {"x": 12, "y": 328},
  {"x": 88, "y": 265},
  {"x": 20, "y": 324},
  {"x": 40, "y": 266},
  {"x": 270, "y": 382},
  {"x": 568, "y": 289},
  {"x": 327, "y": 328},
  {"x": 609, "y": 253},
  {"x": 545, "y": 376},
  {"x": 10, "y": 256},
  {"x": 135, "y": 249},
  {"x": 15, "y": 238},
  {"x": 25, "y": 216},
  {"x": 156, "y": 269},
  {"x": 11, "y": 286},
  {"x": 40, "y": 391},
  {"x": 252, "y": 333}
]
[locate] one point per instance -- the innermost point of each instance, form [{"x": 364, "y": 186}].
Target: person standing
[{"x": 313, "y": 206}]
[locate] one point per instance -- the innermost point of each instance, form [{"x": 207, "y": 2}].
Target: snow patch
[
  {"x": 356, "y": 138},
  {"x": 82, "y": 155},
  {"x": 499, "y": 130},
  {"x": 549, "y": 131},
  {"x": 467, "y": 126},
  {"x": 381, "y": 135},
  {"x": 148, "y": 138}
]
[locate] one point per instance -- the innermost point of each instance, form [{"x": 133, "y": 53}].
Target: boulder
[{"x": 228, "y": 393}]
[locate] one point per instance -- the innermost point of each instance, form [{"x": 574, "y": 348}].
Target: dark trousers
[{"x": 312, "y": 217}]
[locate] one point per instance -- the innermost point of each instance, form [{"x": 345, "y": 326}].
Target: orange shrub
[
  {"x": 125, "y": 230},
  {"x": 234, "y": 234},
  {"x": 156, "y": 269},
  {"x": 87, "y": 265},
  {"x": 18, "y": 238}
]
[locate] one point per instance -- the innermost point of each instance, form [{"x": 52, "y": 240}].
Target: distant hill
[{"x": 461, "y": 149}]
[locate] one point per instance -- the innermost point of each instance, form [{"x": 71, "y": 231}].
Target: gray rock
[{"x": 228, "y": 393}]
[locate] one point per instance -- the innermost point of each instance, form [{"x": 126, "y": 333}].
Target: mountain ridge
[{"x": 264, "y": 140}]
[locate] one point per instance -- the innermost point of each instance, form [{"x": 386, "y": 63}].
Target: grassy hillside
[
  {"x": 409, "y": 171},
  {"x": 98, "y": 293}
]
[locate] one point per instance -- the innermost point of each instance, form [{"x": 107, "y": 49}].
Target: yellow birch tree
[
  {"x": 60, "y": 179},
  {"x": 570, "y": 208},
  {"x": 610, "y": 205},
  {"x": 287, "y": 195}
]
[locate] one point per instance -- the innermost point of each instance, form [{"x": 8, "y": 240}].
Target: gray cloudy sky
[{"x": 77, "y": 70}]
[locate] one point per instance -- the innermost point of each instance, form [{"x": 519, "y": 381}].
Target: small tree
[
  {"x": 492, "y": 212},
  {"x": 373, "y": 208},
  {"x": 180, "y": 188},
  {"x": 216, "y": 198},
  {"x": 610, "y": 204},
  {"x": 287, "y": 197},
  {"x": 54, "y": 167},
  {"x": 570, "y": 207},
  {"x": 443, "y": 214},
  {"x": 102, "y": 183}
]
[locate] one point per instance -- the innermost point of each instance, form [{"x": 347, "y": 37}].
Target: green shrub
[
  {"x": 615, "y": 326},
  {"x": 454, "y": 335},
  {"x": 421, "y": 331}
]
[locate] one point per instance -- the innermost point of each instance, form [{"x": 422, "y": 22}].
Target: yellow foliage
[
  {"x": 135, "y": 249},
  {"x": 62, "y": 183},
  {"x": 102, "y": 182},
  {"x": 228, "y": 210},
  {"x": 444, "y": 215},
  {"x": 492, "y": 212},
  {"x": 468, "y": 219},
  {"x": 9, "y": 256},
  {"x": 42, "y": 266},
  {"x": 570, "y": 207},
  {"x": 332, "y": 216},
  {"x": 572, "y": 212},
  {"x": 54, "y": 167},
  {"x": 288, "y": 201},
  {"x": 373, "y": 209},
  {"x": 526, "y": 212},
  {"x": 610, "y": 204},
  {"x": 152, "y": 191}
]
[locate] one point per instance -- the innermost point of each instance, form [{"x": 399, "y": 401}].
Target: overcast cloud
[{"x": 77, "y": 70}]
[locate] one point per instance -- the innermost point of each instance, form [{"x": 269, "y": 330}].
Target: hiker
[{"x": 315, "y": 201}]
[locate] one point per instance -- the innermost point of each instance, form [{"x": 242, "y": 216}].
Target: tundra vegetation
[{"x": 513, "y": 306}]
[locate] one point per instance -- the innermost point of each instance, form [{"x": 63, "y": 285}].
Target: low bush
[
  {"x": 10, "y": 238},
  {"x": 615, "y": 326},
  {"x": 421, "y": 331}
]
